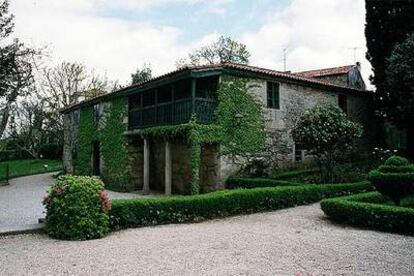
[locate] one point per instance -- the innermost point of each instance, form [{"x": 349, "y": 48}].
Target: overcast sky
[{"x": 117, "y": 36}]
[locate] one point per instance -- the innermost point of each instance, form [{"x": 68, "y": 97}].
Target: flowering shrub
[
  {"x": 326, "y": 132},
  {"x": 77, "y": 208},
  {"x": 394, "y": 179}
]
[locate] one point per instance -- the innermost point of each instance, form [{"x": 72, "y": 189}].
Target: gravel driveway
[
  {"x": 21, "y": 201},
  {"x": 297, "y": 241}
]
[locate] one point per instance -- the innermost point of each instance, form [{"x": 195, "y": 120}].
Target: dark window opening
[
  {"x": 96, "y": 158},
  {"x": 164, "y": 94},
  {"x": 135, "y": 102},
  {"x": 343, "y": 103},
  {"x": 207, "y": 87},
  {"x": 273, "y": 95},
  {"x": 148, "y": 98},
  {"x": 182, "y": 89},
  {"x": 299, "y": 153}
]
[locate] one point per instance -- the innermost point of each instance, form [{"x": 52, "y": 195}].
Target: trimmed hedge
[
  {"x": 294, "y": 173},
  {"x": 250, "y": 183},
  {"x": 141, "y": 212},
  {"x": 369, "y": 210}
]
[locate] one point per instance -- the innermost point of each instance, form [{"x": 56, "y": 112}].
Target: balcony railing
[{"x": 177, "y": 112}]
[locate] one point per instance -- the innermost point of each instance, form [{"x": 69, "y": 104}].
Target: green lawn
[{"x": 29, "y": 167}]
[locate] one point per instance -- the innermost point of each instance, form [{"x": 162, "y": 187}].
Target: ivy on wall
[
  {"x": 86, "y": 135},
  {"x": 114, "y": 146}
]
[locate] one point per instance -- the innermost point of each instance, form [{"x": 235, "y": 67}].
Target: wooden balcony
[
  {"x": 174, "y": 103},
  {"x": 176, "y": 112}
]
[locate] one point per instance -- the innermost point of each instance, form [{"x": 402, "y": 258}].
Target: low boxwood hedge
[
  {"x": 140, "y": 212},
  {"x": 249, "y": 183},
  {"x": 370, "y": 210}
]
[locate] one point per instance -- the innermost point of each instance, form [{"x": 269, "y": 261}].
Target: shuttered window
[{"x": 273, "y": 95}]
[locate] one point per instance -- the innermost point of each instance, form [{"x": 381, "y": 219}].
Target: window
[
  {"x": 164, "y": 94},
  {"x": 97, "y": 112},
  {"x": 299, "y": 153},
  {"x": 343, "y": 103},
  {"x": 135, "y": 102},
  {"x": 182, "y": 89},
  {"x": 273, "y": 95},
  {"x": 148, "y": 98},
  {"x": 207, "y": 87}
]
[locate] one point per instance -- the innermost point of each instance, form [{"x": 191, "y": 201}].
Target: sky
[{"x": 115, "y": 37}]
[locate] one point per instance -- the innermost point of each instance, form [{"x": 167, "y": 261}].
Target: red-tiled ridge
[{"x": 325, "y": 71}]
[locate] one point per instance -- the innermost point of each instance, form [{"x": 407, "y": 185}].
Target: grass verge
[{"x": 19, "y": 168}]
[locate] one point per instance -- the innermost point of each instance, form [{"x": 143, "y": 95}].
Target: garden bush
[
  {"x": 51, "y": 151},
  {"x": 77, "y": 208},
  {"x": 370, "y": 210},
  {"x": 140, "y": 212},
  {"x": 249, "y": 183},
  {"x": 394, "y": 179}
]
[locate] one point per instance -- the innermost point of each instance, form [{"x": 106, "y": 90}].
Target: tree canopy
[
  {"x": 141, "y": 75},
  {"x": 15, "y": 66},
  {"x": 225, "y": 49},
  {"x": 326, "y": 132}
]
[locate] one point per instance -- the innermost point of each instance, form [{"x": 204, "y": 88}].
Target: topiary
[
  {"x": 394, "y": 179},
  {"x": 77, "y": 208}
]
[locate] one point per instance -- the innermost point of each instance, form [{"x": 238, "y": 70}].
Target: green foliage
[
  {"x": 114, "y": 146},
  {"x": 223, "y": 50},
  {"x": 141, "y": 212},
  {"x": 141, "y": 75},
  {"x": 250, "y": 183},
  {"x": 76, "y": 208},
  {"x": 370, "y": 210},
  {"x": 195, "y": 161},
  {"x": 240, "y": 117},
  {"x": 88, "y": 132},
  {"x": 326, "y": 132},
  {"x": 50, "y": 151},
  {"x": 394, "y": 179}
]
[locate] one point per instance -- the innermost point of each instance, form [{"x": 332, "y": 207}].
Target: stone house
[{"x": 142, "y": 136}]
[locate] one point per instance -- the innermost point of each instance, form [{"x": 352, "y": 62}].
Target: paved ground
[
  {"x": 21, "y": 201},
  {"x": 297, "y": 241}
]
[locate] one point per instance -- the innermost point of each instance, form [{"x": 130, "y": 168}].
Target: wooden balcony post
[
  {"x": 146, "y": 188},
  {"x": 168, "y": 171}
]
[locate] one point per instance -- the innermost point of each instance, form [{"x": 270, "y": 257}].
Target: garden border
[{"x": 366, "y": 210}]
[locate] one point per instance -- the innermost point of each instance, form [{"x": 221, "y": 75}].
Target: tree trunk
[{"x": 4, "y": 118}]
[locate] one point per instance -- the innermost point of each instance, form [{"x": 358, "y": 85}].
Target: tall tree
[
  {"x": 15, "y": 66},
  {"x": 387, "y": 23},
  {"x": 225, "y": 49},
  {"x": 400, "y": 78},
  {"x": 141, "y": 75}
]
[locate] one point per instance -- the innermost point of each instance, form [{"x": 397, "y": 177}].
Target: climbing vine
[
  {"x": 86, "y": 135},
  {"x": 114, "y": 146}
]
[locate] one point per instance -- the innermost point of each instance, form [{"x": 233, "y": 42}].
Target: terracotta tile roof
[
  {"x": 325, "y": 72},
  {"x": 297, "y": 77}
]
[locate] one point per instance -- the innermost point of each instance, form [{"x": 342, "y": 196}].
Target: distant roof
[
  {"x": 296, "y": 77},
  {"x": 325, "y": 71}
]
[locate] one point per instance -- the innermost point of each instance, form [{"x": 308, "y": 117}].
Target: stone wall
[
  {"x": 210, "y": 178},
  {"x": 135, "y": 162},
  {"x": 294, "y": 100}
]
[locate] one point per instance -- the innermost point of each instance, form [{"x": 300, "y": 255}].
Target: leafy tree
[
  {"x": 387, "y": 23},
  {"x": 400, "y": 76},
  {"x": 141, "y": 75},
  {"x": 224, "y": 49},
  {"x": 326, "y": 132},
  {"x": 15, "y": 66}
]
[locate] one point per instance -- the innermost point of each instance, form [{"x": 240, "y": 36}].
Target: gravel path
[
  {"x": 21, "y": 201},
  {"x": 297, "y": 241}
]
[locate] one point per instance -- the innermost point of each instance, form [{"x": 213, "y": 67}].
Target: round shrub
[
  {"x": 77, "y": 208},
  {"x": 394, "y": 179}
]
